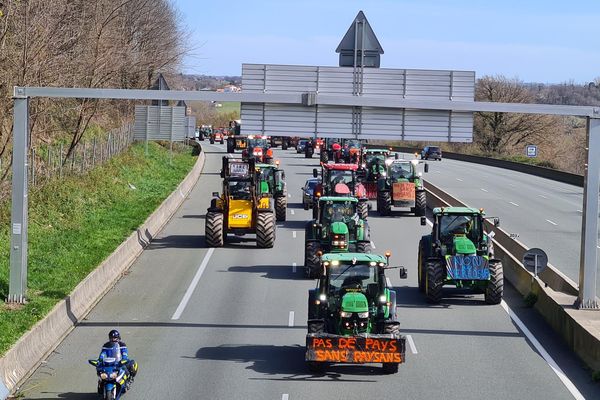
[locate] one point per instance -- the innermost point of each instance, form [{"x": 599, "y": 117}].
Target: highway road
[
  {"x": 543, "y": 213},
  {"x": 229, "y": 323}
]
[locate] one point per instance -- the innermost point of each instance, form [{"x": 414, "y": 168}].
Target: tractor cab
[
  {"x": 459, "y": 230},
  {"x": 271, "y": 182},
  {"x": 258, "y": 147},
  {"x": 342, "y": 180}
]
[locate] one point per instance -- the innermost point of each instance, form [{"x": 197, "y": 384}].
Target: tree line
[{"x": 82, "y": 43}]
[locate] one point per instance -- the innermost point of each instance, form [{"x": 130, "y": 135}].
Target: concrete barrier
[
  {"x": 555, "y": 292},
  {"x": 33, "y": 347}
]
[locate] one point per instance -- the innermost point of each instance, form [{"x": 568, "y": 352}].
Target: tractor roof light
[
  {"x": 326, "y": 263},
  {"x": 319, "y": 253},
  {"x": 335, "y": 262},
  {"x": 372, "y": 263},
  {"x": 277, "y": 162},
  {"x": 481, "y": 210},
  {"x": 388, "y": 254}
]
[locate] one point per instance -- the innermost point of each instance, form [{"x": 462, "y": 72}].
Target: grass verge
[{"x": 76, "y": 222}]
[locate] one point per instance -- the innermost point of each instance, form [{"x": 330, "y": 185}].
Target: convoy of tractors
[{"x": 352, "y": 311}]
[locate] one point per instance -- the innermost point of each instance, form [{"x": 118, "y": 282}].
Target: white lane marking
[
  {"x": 291, "y": 319},
  {"x": 514, "y": 204},
  {"x": 373, "y": 245},
  {"x": 429, "y": 222},
  {"x": 193, "y": 284},
  {"x": 285, "y": 396},
  {"x": 292, "y": 211},
  {"x": 552, "y": 222},
  {"x": 294, "y": 267},
  {"x": 388, "y": 282},
  {"x": 289, "y": 195},
  {"x": 542, "y": 196},
  {"x": 458, "y": 179},
  {"x": 579, "y": 211},
  {"x": 411, "y": 344},
  {"x": 484, "y": 190},
  {"x": 294, "y": 234},
  {"x": 547, "y": 357}
]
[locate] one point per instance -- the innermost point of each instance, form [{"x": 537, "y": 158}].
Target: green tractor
[
  {"x": 272, "y": 181},
  {"x": 459, "y": 252},
  {"x": 352, "y": 314},
  {"x": 338, "y": 228},
  {"x": 401, "y": 186}
]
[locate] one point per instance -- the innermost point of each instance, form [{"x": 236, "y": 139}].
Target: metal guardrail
[{"x": 548, "y": 173}]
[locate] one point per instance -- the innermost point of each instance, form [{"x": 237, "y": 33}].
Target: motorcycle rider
[{"x": 114, "y": 338}]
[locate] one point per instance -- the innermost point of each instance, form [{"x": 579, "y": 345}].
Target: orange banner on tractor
[
  {"x": 403, "y": 191},
  {"x": 356, "y": 350}
]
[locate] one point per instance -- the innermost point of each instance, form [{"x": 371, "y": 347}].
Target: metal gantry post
[
  {"x": 588, "y": 267},
  {"x": 18, "y": 242}
]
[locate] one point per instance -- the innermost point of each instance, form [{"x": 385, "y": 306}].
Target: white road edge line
[
  {"x": 514, "y": 204},
  {"x": 292, "y": 211},
  {"x": 285, "y": 396},
  {"x": 458, "y": 179},
  {"x": 411, "y": 344},
  {"x": 193, "y": 284},
  {"x": 552, "y": 222},
  {"x": 294, "y": 234},
  {"x": 547, "y": 357},
  {"x": 484, "y": 190},
  {"x": 542, "y": 196},
  {"x": 373, "y": 245},
  {"x": 294, "y": 265},
  {"x": 291, "y": 319}
]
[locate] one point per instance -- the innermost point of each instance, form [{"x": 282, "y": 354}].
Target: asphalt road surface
[
  {"x": 543, "y": 213},
  {"x": 230, "y": 323}
]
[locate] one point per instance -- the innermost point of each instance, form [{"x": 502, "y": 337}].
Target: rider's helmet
[{"x": 114, "y": 335}]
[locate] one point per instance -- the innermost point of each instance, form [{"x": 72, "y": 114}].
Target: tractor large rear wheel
[
  {"x": 495, "y": 287},
  {"x": 265, "y": 230},
  {"x": 420, "y": 203},
  {"x": 435, "y": 281},
  {"x": 214, "y": 229},
  {"x": 384, "y": 203},
  {"x": 312, "y": 261},
  {"x": 281, "y": 208},
  {"x": 362, "y": 209},
  {"x": 422, "y": 269},
  {"x": 363, "y": 247},
  {"x": 324, "y": 157}
]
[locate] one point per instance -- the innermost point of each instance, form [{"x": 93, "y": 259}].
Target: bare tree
[{"x": 501, "y": 132}]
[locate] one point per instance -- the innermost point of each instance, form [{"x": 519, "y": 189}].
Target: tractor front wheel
[
  {"x": 265, "y": 230},
  {"x": 421, "y": 265},
  {"x": 384, "y": 203},
  {"x": 281, "y": 208},
  {"x": 214, "y": 229},
  {"x": 420, "y": 203},
  {"x": 363, "y": 247},
  {"x": 312, "y": 261},
  {"x": 495, "y": 287},
  {"x": 362, "y": 209},
  {"x": 435, "y": 281}
]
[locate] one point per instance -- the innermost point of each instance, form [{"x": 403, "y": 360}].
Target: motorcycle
[{"x": 113, "y": 377}]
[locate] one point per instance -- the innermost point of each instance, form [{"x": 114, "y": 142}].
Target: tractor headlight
[
  {"x": 363, "y": 315},
  {"x": 383, "y": 298},
  {"x": 322, "y": 297},
  {"x": 345, "y": 314},
  {"x": 384, "y": 173},
  {"x": 113, "y": 375},
  {"x": 103, "y": 376}
]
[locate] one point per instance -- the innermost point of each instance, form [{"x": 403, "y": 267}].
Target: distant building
[{"x": 232, "y": 89}]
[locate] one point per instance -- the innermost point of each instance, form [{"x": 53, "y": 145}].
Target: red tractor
[
  {"x": 259, "y": 148},
  {"x": 342, "y": 180}
]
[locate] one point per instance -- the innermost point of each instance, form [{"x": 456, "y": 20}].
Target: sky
[{"x": 550, "y": 41}]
